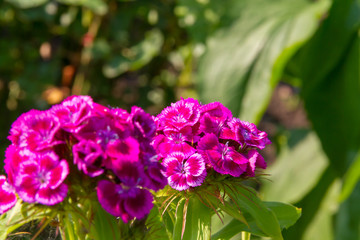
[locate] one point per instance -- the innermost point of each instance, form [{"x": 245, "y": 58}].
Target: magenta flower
[
  {"x": 255, "y": 160},
  {"x": 126, "y": 199},
  {"x": 222, "y": 157},
  {"x": 73, "y": 111},
  {"x": 7, "y": 195},
  {"x": 39, "y": 129},
  {"x": 213, "y": 117},
  {"x": 184, "y": 171},
  {"x": 88, "y": 156},
  {"x": 124, "y": 202},
  {"x": 40, "y": 179},
  {"x": 144, "y": 124},
  {"x": 184, "y": 113},
  {"x": 174, "y": 142},
  {"x": 245, "y": 133}
]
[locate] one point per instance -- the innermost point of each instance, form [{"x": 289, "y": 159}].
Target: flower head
[{"x": 193, "y": 139}]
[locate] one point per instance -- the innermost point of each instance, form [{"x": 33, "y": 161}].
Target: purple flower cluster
[
  {"x": 108, "y": 145},
  {"x": 193, "y": 138}
]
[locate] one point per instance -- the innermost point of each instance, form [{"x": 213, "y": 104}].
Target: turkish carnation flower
[
  {"x": 73, "y": 112},
  {"x": 40, "y": 179},
  {"x": 8, "y": 198},
  {"x": 184, "y": 113},
  {"x": 223, "y": 158},
  {"x": 245, "y": 133},
  {"x": 88, "y": 156},
  {"x": 184, "y": 170},
  {"x": 126, "y": 199},
  {"x": 221, "y": 143},
  {"x": 39, "y": 130}
]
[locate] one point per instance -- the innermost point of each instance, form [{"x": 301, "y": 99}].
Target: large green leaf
[
  {"x": 245, "y": 61},
  {"x": 286, "y": 215},
  {"x": 351, "y": 178},
  {"x": 329, "y": 68},
  {"x": 193, "y": 220},
  {"x": 348, "y": 220},
  {"x": 248, "y": 201},
  {"x": 322, "y": 226},
  {"x": 297, "y": 169}
]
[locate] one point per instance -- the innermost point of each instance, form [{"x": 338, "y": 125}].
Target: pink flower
[
  {"x": 126, "y": 199},
  {"x": 40, "y": 179},
  {"x": 184, "y": 171},
  {"x": 7, "y": 195},
  {"x": 88, "y": 156},
  {"x": 245, "y": 133},
  {"x": 255, "y": 160},
  {"x": 73, "y": 111},
  {"x": 183, "y": 113},
  {"x": 222, "y": 157},
  {"x": 39, "y": 129},
  {"x": 214, "y": 117}
]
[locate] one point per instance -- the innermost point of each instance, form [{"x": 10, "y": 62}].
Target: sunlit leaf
[
  {"x": 245, "y": 61},
  {"x": 351, "y": 178},
  {"x": 264, "y": 218},
  {"x": 196, "y": 219},
  {"x": 286, "y": 215},
  {"x": 297, "y": 170}
]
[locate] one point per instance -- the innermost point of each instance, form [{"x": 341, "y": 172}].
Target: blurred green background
[{"x": 291, "y": 66}]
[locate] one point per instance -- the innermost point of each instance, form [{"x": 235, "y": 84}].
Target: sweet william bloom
[
  {"x": 184, "y": 113},
  {"x": 73, "y": 111},
  {"x": 40, "y": 179},
  {"x": 184, "y": 171},
  {"x": 126, "y": 199},
  {"x": 7, "y": 195},
  {"x": 39, "y": 130},
  {"x": 121, "y": 201},
  {"x": 88, "y": 156},
  {"x": 255, "y": 160},
  {"x": 222, "y": 157},
  {"x": 144, "y": 125},
  {"x": 245, "y": 133},
  {"x": 214, "y": 117}
]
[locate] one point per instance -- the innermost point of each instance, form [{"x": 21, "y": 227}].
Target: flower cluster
[
  {"x": 193, "y": 138},
  {"x": 79, "y": 139}
]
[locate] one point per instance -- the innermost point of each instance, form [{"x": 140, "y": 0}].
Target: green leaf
[
  {"x": 329, "y": 68},
  {"x": 321, "y": 227},
  {"x": 245, "y": 61},
  {"x": 27, "y": 3},
  {"x": 311, "y": 204},
  {"x": 286, "y": 215},
  {"x": 351, "y": 179},
  {"x": 156, "y": 226},
  {"x": 137, "y": 56},
  {"x": 193, "y": 220},
  {"x": 348, "y": 221},
  {"x": 248, "y": 201},
  {"x": 297, "y": 169},
  {"x": 105, "y": 225}
]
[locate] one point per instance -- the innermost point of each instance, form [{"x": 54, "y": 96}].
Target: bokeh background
[{"x": 290, "y": 66}]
